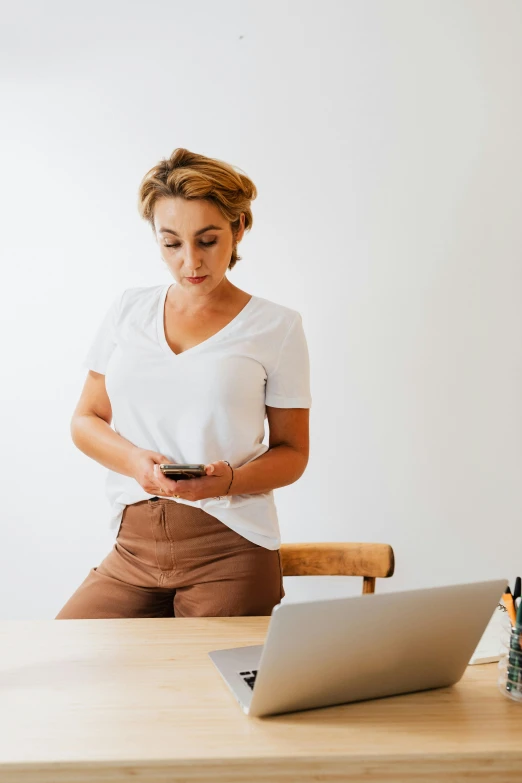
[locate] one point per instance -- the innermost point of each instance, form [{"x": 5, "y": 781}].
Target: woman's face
[{"x": 195, "y": 241}]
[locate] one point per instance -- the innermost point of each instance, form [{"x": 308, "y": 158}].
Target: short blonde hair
[{"x": 194, "y": 176}]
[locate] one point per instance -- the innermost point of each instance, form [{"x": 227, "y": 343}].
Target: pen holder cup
[{"x": 510, "y": 664}]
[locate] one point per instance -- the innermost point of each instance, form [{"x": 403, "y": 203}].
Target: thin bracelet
[{"x": 218, "y": 497}]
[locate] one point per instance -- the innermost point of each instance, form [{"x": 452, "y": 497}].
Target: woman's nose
[{"x": 192, "y": 261}]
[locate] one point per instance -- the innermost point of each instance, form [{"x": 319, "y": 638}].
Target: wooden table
[{"x": 119, "y": 700}]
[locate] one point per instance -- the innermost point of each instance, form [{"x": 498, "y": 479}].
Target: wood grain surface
[{"x": 139, "y": 699}]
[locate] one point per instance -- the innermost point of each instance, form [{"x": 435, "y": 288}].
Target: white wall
[{"x": 384, "y": 138}]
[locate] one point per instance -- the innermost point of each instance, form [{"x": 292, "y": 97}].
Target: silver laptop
[{"x": 325, "y": 652}]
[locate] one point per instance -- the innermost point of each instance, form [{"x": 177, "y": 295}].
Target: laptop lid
[{"x": 326, "y": 652}]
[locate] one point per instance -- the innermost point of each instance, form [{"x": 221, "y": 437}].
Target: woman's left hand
[{"x": 216, "y": 482}]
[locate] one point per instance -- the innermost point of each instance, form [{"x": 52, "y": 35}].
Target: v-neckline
[{"x": 160, "y": 323}]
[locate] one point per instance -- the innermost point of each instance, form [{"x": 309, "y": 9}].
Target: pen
[
  {"x": 514, "y": 655},
  {"x": 517, "y": 592},
  {"x": 517, "y": 657}
]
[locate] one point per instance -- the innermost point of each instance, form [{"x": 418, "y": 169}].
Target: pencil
[{"x": 508, "y": 603}]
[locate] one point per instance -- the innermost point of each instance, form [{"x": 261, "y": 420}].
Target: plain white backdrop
[{"x": 384, "y": 139}]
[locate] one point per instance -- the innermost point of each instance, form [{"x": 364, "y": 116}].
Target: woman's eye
[{"x": 205, "y": 244}]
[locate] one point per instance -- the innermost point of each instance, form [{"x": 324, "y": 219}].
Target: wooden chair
[{"x": 339, "y": 559}]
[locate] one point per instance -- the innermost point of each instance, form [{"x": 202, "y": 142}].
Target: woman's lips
[{"x": 196, "y": 280}]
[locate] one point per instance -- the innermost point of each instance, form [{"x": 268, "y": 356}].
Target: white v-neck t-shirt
[{"x": 204, "y": 404}]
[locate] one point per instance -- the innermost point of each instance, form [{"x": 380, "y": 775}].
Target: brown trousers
[{"x": 175, "y": 560}]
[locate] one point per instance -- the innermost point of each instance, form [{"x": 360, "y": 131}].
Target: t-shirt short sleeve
[
  {"x": 288, "y": 384},
  {"x": 105, "y": 339}
]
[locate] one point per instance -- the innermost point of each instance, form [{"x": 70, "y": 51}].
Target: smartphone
[{"x": 182, "y": 472}]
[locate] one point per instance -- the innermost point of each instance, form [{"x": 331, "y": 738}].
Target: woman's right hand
[{"x": 142, "y": 466}]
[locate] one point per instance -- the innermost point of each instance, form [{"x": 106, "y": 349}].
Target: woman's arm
[
  {"x": 91, "y": 429},
  {"x": 286, "y": 458},
  {"x": 96, "y": 438}
]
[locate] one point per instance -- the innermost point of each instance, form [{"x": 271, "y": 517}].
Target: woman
[{"x": 190, "y": 371}]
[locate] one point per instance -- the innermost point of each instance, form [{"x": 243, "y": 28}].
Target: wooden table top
[{"x": 140, "y": 699}]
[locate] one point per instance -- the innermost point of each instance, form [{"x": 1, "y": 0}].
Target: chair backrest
[{"x": 339, "y": 559}]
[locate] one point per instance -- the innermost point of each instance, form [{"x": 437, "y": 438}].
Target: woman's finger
[{"x": 162, "y": 479}]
